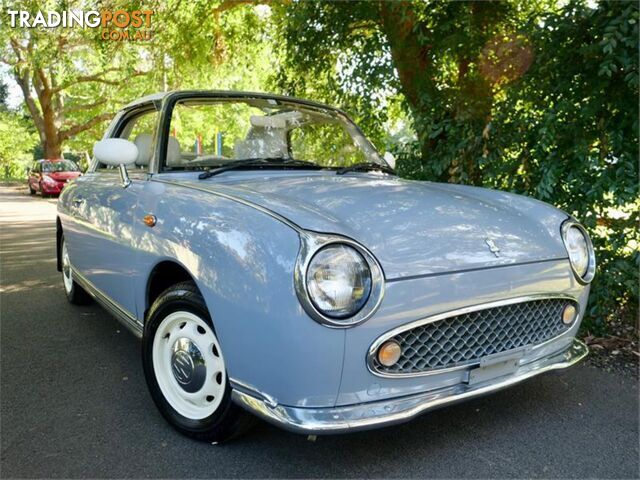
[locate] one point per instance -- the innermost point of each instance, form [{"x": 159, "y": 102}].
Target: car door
[{"x": 105, "y": 211}]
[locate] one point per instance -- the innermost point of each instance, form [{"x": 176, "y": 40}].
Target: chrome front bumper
[{"x": 323, "y": 421}]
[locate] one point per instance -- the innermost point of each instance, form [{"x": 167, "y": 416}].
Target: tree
[
  {"x": 448, "y": 60},
  {"x": 215, "y": 45},
  {"x": 533, "y": 97},
  {"x": 73, "y": 81},
  {"x": 17, "y": 139},
  {"x": 567, "y": 133}
]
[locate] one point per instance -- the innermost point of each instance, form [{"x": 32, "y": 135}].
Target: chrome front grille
[{"x": 464, "y": 338}]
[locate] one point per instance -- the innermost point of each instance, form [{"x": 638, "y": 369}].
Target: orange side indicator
[{"x": 149, "y": 220}]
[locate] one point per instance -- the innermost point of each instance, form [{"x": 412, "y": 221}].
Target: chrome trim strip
[
  {"x": 310, "y": 244},
  {"x": 124, "y": 175},
  {"x": 475, "y": 269},
  {"x": 108, "y": 304},
  {"x": 253, "y": 391},
  {"x": 233, "y": 198},
  {"x": 453, "y": 313},
  {"x": 398, "y": 410},
  {"x": 591, "y": 268}
]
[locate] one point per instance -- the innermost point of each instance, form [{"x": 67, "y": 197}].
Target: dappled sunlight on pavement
[
  {"x": 16, "y": 205},
  {"x": 27, "y": 227}
]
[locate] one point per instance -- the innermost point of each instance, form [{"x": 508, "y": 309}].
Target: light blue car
[{"x": 274, "y": 265}]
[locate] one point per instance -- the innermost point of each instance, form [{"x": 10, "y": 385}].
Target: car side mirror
[{"x": 117, "y": 152}]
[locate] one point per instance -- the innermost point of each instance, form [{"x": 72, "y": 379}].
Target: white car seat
[
  {"x": 144, "y": 142},
  {"x": 174, "y": 154}
]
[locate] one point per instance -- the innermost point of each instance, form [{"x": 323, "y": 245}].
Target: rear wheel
[
  {"x": 185, "y": 368},
  {"x": 75, "y": 293},
  {"x": 44, "y": 195},
  {"x": 31, "y": 190}
]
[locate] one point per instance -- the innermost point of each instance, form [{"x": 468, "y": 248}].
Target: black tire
[
  {"x": 31, "y": 190},
  {"x": 228, "y": 420},
  {"x": 76, "y": 294}
]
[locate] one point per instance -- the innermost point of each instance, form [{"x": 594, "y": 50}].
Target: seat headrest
[
  {"x": 174, "y": 154},
  {"x": 144, "y": 142}
]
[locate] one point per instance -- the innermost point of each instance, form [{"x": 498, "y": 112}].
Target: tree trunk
[
  {"x": 51, "y": 146},
  {"x": 411, "y": 60},
  {"x": 47, "y": 107}
]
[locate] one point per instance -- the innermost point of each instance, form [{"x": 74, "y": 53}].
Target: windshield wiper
[
  {"x": 365, "y": 167},
  {"x": 259, "y": 161}
]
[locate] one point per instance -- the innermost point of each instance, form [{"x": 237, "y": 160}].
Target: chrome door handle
[{"x": 78, "y": 201}]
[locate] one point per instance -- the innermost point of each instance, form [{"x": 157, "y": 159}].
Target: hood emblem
[{"x": 493, "y": 248}]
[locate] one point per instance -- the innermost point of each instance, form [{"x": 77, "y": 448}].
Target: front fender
[{"x": 242, "y": 260}]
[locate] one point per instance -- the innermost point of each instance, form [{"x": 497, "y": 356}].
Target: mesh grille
[{"x": 466, "y": 338}]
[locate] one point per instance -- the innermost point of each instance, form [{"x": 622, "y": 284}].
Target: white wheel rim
[
  {"x": 67, "y": 275},
  {"x": 188, "y": 365}
]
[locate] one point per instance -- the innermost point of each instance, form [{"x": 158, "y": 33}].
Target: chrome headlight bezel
[
  {"x": 587, "y": 277},
  {"x": 311, "y": 244}
]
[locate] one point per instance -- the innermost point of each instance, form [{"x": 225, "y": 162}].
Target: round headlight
[
  {"x": 338, "y": 281},
  {"x": 580, "y": 251}
]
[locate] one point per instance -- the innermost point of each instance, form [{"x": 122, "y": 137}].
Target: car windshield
[
  {"x": 59, "y": 166},
  {"x": 206, "y": 133}
]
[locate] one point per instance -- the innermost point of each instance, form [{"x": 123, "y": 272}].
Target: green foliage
[
  {"x": 334, "y": 52},
  {"x": 568, "y": 134},
  {"x": 212, "y": 45},
  {"x": 529, "y": 97},
  {"x": 17, "y": 140}
]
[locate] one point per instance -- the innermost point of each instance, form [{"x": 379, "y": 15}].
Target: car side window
[{"x": 139, "y": 129}]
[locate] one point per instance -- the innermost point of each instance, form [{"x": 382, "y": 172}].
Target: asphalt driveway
[{"x": 74, "y": 402}]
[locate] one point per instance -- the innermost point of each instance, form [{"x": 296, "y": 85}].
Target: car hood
[
  {"x": 61, "y": 176},
  {"x": 413, "y": 228}
]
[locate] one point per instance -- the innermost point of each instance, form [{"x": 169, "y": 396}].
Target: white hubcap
[
  {"x": 67, "y": 277},
  {"x": 188, "y": 365}
]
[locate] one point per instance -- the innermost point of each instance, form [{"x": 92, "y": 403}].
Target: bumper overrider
[{"x": 315, "y": 421}]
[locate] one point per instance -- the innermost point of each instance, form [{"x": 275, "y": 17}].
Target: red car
[{"x": 49, "y": 177}]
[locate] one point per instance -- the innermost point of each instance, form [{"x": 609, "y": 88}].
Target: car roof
[
  {"x": 160, "y": 96},
  {"x": 154, "y": 97}
]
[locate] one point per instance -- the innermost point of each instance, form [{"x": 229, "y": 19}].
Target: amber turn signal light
[
  {"x": 149, "y": 220},
  {"x": 569, "y": 314},
  {"x": 389, "y": 353}
]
